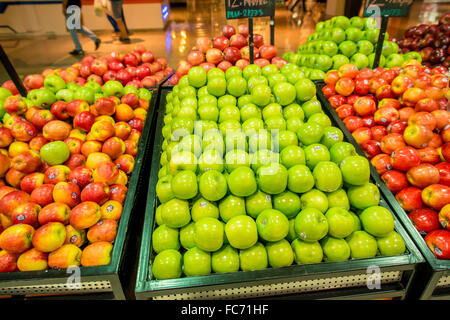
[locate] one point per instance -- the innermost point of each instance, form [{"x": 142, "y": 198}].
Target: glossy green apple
[
  {"x": 241, "y": 232},
  {"x": 338, "y": 198},
  {"x": 372, "y": 35},
  {"x": 41, "y": 98},
  {"x": 167, "y": 265},
  {"x": 339, "y": 60},
  {"x": 242, "y": 181},
  {"x": 341, "y": 150},
  {"x": 207, "y": 100},
  {"x": 197, "y": 77},
  {"x": 211, "y": 160},
  {"x": 187, "y": 235},
  {"x": 261, "y": 95},
  {"x": 306, "y": 252},
  {"x": 112, "y": 88},
  {"x": 208, "y": 112},
  {"x": 311, "y": 225},
  {"x": 251, "y": 70},
  {"x": 331, "y": 136},
  {"x": 253, "y": 126},
  {"x": 190, "y": 102},
  {"x": 243, "y": 100},
  {"x": 184, "y": 81},
  {"x": 208, "y": 234},
  {"x": 203, "y": 208},
  {"x": 272, "y": 225},
  {"x": 215, "y": 72},
  {"x": 4, "y": 93},
  {"x": 175, "y": 213},
  {"x": 314, "y": 199},
  {"x": 377, "y": 221},
  {"x": 381, "y": 63},
  {"x": 64, "y": 95},
  {"x": 283, "y": 139},
  {"x": 293, "y": 110},
  {"x": 213, "y": 185},
  {"x": 335, "y": 249},
  {"x": 280, "y": 254},
  {"x": 347, "y": 48},
  {"x": 285, "y": 93},
  {"x": 231, "y": 206},
  {"x": 357, "y": 22},
  {"x": 340, "y": 222},
  {"x": 362, "y": 245},
  {"x": 253, "y": 258},
  {"x": 257, "y": 202},
  {"x": 311, "y": 107},
  {"x": 235, "y": 159},
  {"x": 275, "y": 123},
  {"x": 365, "y": 47},
  {"x": 360, "y": 60},
  {"x": 164, "y": 237},
  {"x": 288, "y": 203},
  {"x": 164, "y": 189},
  {"x": 358, "y": 226},
  {"x": 191, "y": 143},
  {"x": 250, "y": 111},
  {"x": 144, "y": 93},
  {"x": 260, "y": 140},
  {"x": 213, "y": 139},
  {"x": 320, "y": 118},
  {"x": 236, "y": 140},
  {"x": 330, "y": 48},
  {"x": 226, "y": 259},
  {"x": 229, "y": 126},
  {"x": 310, "y": 133},
  {"x": 293, "y": 124},
  {"x": 181, "y": 127},
  {"x": 355, "y": 170},
  {"x": 315, "y": 153},
  {"x": 337, "y": 35},
  {"x": 316, "y": 74},
  {"x": 272, "y": 110},
  {"x": 196, "y": 262},
  {"x": 354, "y": 34},
  {"x": 229, "y": 112},
  {"x": 323, "y": 62},
  {"x": 272, "y": 178},
  {"x": 54, "y": 83},
  {"x": 305, "y": 89},
  {"x": 276, "y": 78},
  {"x": 292, "y": 155},
  {"x": 364, "y": 196},
  {"x": 392, "y": 244},
  {"x": 216, "y": 86},
  {"x": 412, "y": 55},
  {"x": 394, "y": 60},
  {"x": 294, "y": 76},
  {"x": 389, "y": 47},
  {"x": 184, "y": 185},
  {"x": 233, "y": 71},
  {"x": 263, "y": 157},
  {"x": 327, "y": 176},
  {"x": 300, "y": 179}
]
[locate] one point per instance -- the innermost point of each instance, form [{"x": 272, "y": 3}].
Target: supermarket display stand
[
  {"x": 432, "y": 280},
  {"x": 332, "y": 280}
]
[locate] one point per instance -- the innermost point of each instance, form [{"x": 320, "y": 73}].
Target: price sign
[
  {"x": 239, "y": 9},
  {"x": 389, "y": 8}
]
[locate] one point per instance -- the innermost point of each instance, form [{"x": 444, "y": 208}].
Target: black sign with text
[
  {"x": 238, "y": 9},
  {"x": 390, "y": 8}
]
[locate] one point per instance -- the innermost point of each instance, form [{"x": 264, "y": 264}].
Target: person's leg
[
  {"x": 91, "y": 35},
  {"x": 124, "y": 22},
  {"x": 75, "y": 40},
  {"x": 113, "y": 23},
  {"x": 116, "y": 7}
]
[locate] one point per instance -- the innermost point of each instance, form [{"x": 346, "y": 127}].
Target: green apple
[
  {"x": 213, "y": 140},
  {"x": 252, "y": 126},
  {"x": 355, "y": 170},
  {"x": 167, "y": 265},
  {"x": 377, "y": 221},
  {"x": 293, "y": 124},
  {"x": 251, "y": 70},
  {"x": 250, "y": 111},
  {"x": 253, "y": 258},
  {"x": 184, "y": 81},
  {"x": 280, "y": 254},
  {"x": 184, "y": 185},
  {"x": 54, "y": 153},
  {"x": 347, "y": 48},
  {"x": 232, "y": 72},
  {"x": 207, "y": 99},
  {"x": 191, "y": 143},
  {"x": 243, "y": 100},
  {"x": 276, "y": 78},
  {"x": 231, "y": 206},
  {"x": 229, "y": 126},
  {"x": 64, "y": 95},
  {"x": 211, "y": 160},
  {"x": 4, "y": 93},
  {"x": 285, "y": 93},
  {"x": 335, "y": 249},
  {"x": 235, "y": 159},
  {"x": 284, "y": 139},
  {"x": 305, "y": 90},
  {"x": 330, "y": 48},
  {"x": 196, "y": 262},
  {"x": 412, "y": 55},
  {"x": 363, "y": 196},
  {"x": 314, "y": 199},
  {"x": 370, "y": 23},
  {"x": 269, "y": 69},
  {"x": 208, "y": 234},
  {"x": 372, "y": 35},
  {"x": 341, "y": 21},
  {"x": 263, "y": 157},
  {"x": 360, "y": 60},
  {"x": 394, "y": 60},
  {"x": 54, "y": 83},
  {"x": 340, "y": 222},
  {"x": 293, "y": 110},
  {"x": 213, "y": 185},
  {"x": 316, "y": 74},
  {"x": 288, "y": 68},
  {"x": 291, "y": 234},
  {"x": 229, "y": 113},
  {"x": 362, "y": 245},
  {"x": 112, "y": 88},
  {"x": 187, "y": 235},
  {"x": 272, "y": 110},
  {"x": 288, "y": 203},
  {"x": 311, "y": 225},
  {"x": 392, "y": 244},
  {"x": 338, "y": 198},
  {"x": 311, "y": 107},
  {"x": 331, "y": 136},
  {"x": 307, "y": 252},
  {"x": 365, "y": 47},
  {"x": 236, "y": 140},
  {"x": 241, "y": 232},
  {"x": 327, "y": 176},
  {"x": 272, "y": 225},
  {"x": 275, "y": 123},
  {"x": 97, "y": 88},
  {"x": 294, "y": 76},
  {"x": 164, "y": 189},
  {"x": 310, "y": 133},
  {"x": 158, "y": 217},
  {"x": 260, "y": 140},
  {"x": 357, "y": 22},
  {"x": 261, "y": 95},
  {"x": 255, "y": 80},
  {"x": 197, "y": 77},
  {"x": 357, "y": 222},
  {"x": 164, "y": 237},
  {"x": 381, "y": 62},
  {"x": 203, "y": 208},
  {"x": 272, "y": 178},
  {"x": 323, "y": 63},
  {"x": 292, "y": 155},
  {"x": 215, "y": 72},
  {"x": 226, "y": 259},
  {"x": 257, "y": 202},
  {"x": 175, "y": 213},
  {"x": 341, "y": 150},
  {"x": 320, "y": 118},
  {"x": 300, "y": 179},
  {"x": 242, "y": 181},
  {"x": 339, "y": 60},
  {"x": 354, "y": 34},
  {"x": 41, "y": 98},
  {"x": 208, "y": 112},
  {"x": 337, "y": 35},
  {"x": 144, "y": 93},
  {"x": 216, "y": 86},
  {"x": 236, "y": 86},
  {"x": 315, "y": 153},
  {"x": 389, "y": 47}
]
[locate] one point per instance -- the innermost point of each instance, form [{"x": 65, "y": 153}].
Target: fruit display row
[
  {"x": 65, "y": 163},
  {"x": 341, "y": 40},
  {"x": 431, "y": 40},
  {"x": 229, "y": 49},
  {"x": 400, "y": 118},
  {"x": 253, "y": 175}
]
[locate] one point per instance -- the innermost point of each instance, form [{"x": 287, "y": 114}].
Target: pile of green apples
[
  {"x": 253, "y": 175},
  {"x": 341, "y": 40}
]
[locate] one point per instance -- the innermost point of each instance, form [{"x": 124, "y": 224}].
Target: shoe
[
  {"x": 97, "y": 43},
  {"x": 124, "y": 40},
  {"x": 77, "y": 52}
]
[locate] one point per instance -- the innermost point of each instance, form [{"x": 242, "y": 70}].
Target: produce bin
[
  {"x": 347, "y": 279},
  {"x": 98, "y": 282},
  {"x": 432, "y": 280}
]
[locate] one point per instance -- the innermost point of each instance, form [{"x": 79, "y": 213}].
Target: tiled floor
[{"x": 199, "y": 18}]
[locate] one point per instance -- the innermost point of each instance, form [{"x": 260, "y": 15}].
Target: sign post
[
  {"x": 12, "y": 72},
  {"x": 238, "y": 9},
  {"x": 384, "y": 9}
]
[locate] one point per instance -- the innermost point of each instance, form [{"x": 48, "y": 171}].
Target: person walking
[
  {"x": 117, "y": 11},
  {"x": 73, "y": 23}
]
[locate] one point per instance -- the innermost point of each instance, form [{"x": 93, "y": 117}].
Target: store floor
[{"x": 185, "y": 24}]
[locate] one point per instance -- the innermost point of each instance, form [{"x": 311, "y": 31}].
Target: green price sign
[
  {"x": 238, "y": 9},
  {"x": 387, "y": 8}
]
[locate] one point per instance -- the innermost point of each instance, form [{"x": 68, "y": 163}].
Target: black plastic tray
[
  {"x": 433, "y": 279},
  {"x": 332, "y": 280},
  {"x": 99, "y": 282}
]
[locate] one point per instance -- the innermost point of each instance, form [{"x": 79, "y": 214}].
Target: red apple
[
  {"x": 436, "y": 196},
  {"x": 410, "y": 198},
  {"x": 425, "y": 220},
  {"x": 395, "y": 180}
]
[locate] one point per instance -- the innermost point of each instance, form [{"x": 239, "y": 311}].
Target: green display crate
[
  {"x": 98, "y": 282},
  {"x": 432, "y": 280},
  {"x": 341, "y": 280}
]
